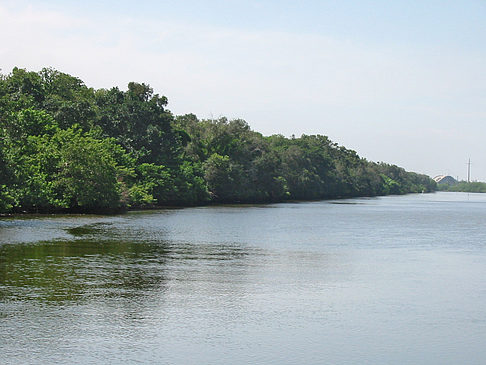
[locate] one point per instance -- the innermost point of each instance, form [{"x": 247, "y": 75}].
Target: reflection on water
[
  {"x": 87, "y": 269},
  {"x": 369, "y": 281},
  {"x": 72, "y": 271}
]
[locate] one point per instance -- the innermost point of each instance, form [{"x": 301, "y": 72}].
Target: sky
[{"x": 402, "y": 82}]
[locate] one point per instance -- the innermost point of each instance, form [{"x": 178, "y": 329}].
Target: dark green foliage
[
  {"x": 68, "y": 170},
  {"x": 137, "y": 119},
  {"x": 224, "y": 177},
  {"x": 68, "y": 100},
  {"x": 29, "y": 122},
  {"x": 464, "y": 186},
  {"x": 67, "y": 147},
  {"x": 189, "y": 185}
]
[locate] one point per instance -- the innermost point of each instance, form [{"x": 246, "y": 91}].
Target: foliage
[
  {"x": 464, "y": 186},
  {"x": 68, "y": 170},
  {"x": 67, "y": 147}
]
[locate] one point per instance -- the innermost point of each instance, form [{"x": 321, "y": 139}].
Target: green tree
[{"x": 86, "y": 171}]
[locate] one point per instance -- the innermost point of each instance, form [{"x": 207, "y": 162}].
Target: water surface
[{"x": 390, "y": 280}]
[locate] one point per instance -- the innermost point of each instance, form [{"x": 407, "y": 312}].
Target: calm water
[{"x": 392, "y": 280}]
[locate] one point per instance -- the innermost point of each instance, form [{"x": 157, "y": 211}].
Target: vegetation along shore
[{"x": 65, "y": 147}]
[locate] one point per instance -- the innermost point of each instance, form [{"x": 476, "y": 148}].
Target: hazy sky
[{"x": 398, "y": 81}]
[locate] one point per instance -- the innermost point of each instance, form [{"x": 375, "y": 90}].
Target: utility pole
[{"x": 469, "y": 171}]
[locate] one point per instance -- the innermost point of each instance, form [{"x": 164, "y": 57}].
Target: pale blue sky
[
  {"x": 419, "y": 23},
  {"x": 398, "y": 81}
]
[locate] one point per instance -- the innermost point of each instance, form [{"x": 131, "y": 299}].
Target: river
[{"x": 387, "y": 280}]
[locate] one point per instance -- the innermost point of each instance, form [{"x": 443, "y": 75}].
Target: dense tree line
[
  {"x": 67, "y": 147},
  {"x": 464, "y": 186}
]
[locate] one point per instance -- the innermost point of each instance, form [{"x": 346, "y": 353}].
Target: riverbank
[
  {"x": 465, "y": 187},
  {"x": 174, "y": 207},
  {"x": 65, "y": 147}
]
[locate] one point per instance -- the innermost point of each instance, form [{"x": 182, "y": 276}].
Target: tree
[
  {"x": 68, "y": 170},
  {"x": 86, "y": 171}
]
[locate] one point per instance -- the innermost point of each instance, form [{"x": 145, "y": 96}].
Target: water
[{"x": 391, "y": 280}]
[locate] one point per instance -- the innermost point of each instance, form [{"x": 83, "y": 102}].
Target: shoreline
[{"x": 174, "y": 207}]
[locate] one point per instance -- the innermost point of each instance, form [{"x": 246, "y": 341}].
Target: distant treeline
[
  {"x": 464, "y": 186},
  {"x": 67, "y": 147}
]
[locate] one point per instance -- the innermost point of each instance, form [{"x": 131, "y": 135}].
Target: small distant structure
[{"x": 445, "y": 180}]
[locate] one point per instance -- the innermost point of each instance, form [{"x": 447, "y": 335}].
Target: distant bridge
[{"x": 445, "y": 179}]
